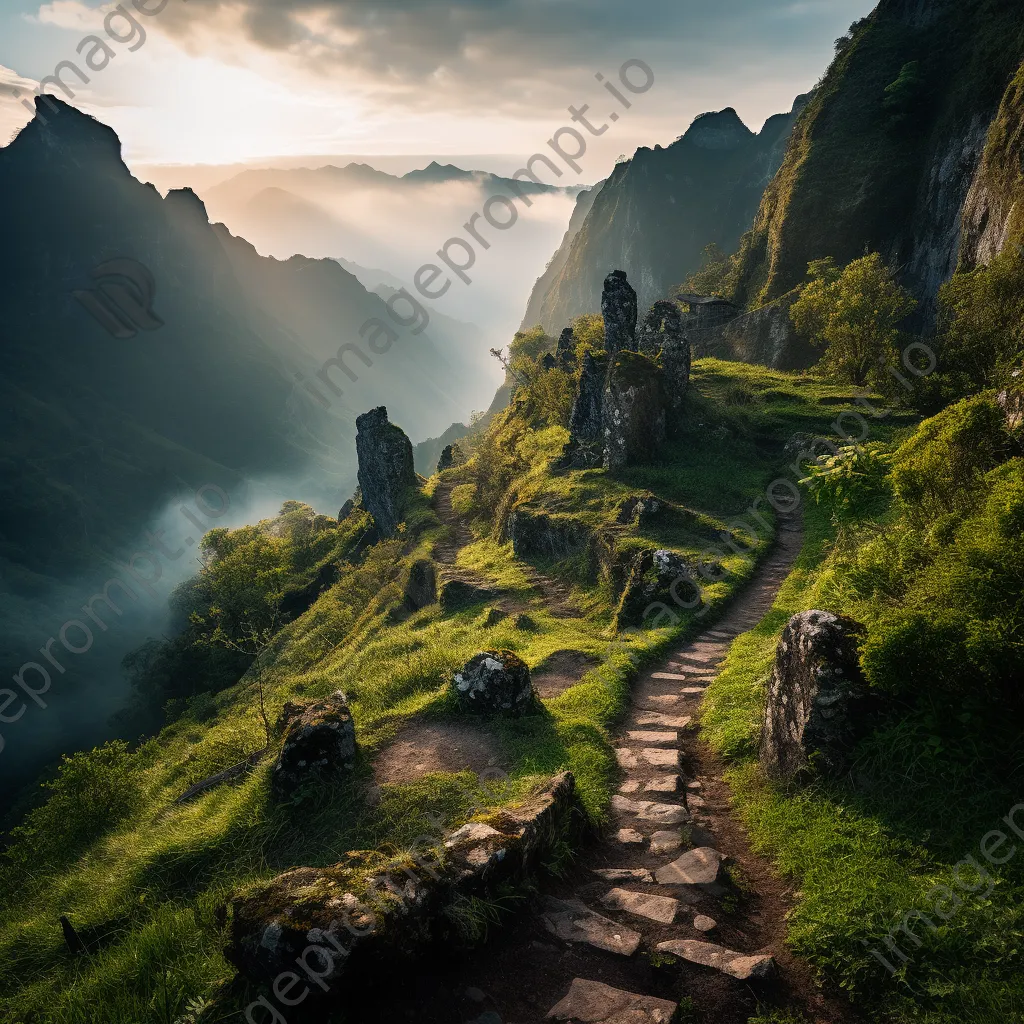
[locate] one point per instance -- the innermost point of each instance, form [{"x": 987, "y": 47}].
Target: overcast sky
[{"x": 225, "y": 82}]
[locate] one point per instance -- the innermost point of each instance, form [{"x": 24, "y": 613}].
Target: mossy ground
[{"x": 145, "y": 893}]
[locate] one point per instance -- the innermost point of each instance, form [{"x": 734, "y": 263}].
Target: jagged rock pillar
[
  {"x": 662, "y": 332},
  {"x": 385, "y": 469},
  {"x": 586, "y": 429},
  {"x": 619, "y": 309},
  {"x": 565, "y": 351}
]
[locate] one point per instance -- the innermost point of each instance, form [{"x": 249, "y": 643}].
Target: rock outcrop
[
  {"x": 1011, "y": 401},
  {"x": 656, "y": 578},
  {"x": 494, "y": 682},
  {"x": 420, "y": 585},
  {"x": 541, "y": 535},
  {"x": 362, "y": 917},
  {"x": 450, "y": 456},
  {"x": 319, "y": 743},
  {"x": 633, "y": 411},
  {"x": 662, "y": 336},
  {"x": 459, "y": 594},
  {"x": 619, "y": 309},
  {"x": 818, "y": 700},
  {"x": 385, "y": 469}
]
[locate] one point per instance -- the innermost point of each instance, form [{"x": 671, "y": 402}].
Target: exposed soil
[
  {"x": 525, "y": 970},
  {"x": 422, "y": 748},
  {"x": 555, "y": 674}
]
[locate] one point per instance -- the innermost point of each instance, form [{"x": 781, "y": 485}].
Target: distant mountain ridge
[{"x": 657, "y": 213}]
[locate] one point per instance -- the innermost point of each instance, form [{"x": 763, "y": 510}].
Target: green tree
[{"x": 854, "y": 314}]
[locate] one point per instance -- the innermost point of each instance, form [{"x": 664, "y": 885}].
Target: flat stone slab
[
  {"x": 659, "y": 758},
  {"x": 666, "y": 842},
  {"x": 629, "y": 786},
  {"x": 571, "y": 921},
  {"x": 675, "y": 676},
  {"x": 702, "y": 866},
  {"x": 626, "y": 758},
  {"x": 594, "y": 1003},
  {"x": 656, "y": 718},
  {"x": 664, "y": 814},
  {"x": 746, "y": 968},
  {"x": 658, "y": 739},
  {"x": 663, "y": 784},
  {"x": 625, "y": 875},
  {"x": 662, "y": 909},
  {"x": 693, "y": 691},
  {"x": 703, "y": 923},
  {"x": 629, "y": 836},
  {"x": 695, "y": 785},
  {"x": 663, "y": 699}
]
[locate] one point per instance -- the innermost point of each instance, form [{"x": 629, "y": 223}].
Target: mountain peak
[
  {"x": 62, "y": 129},
  {"x": 721, "y": 129}
]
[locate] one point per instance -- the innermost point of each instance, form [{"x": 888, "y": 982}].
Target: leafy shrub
[
  {"x": 939, "y": 469},
  {"x": 853, "y": 484},
  {"x": 93, "y": 791}
]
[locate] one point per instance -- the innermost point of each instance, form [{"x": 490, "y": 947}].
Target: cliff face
[
  {"x": 885, "y": 155},
  {"x": 656, "y": 214}
]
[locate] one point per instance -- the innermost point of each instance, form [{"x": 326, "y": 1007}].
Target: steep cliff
[
  {"x": 656, "y": 214},
  {"x": 884, "y": 156}
]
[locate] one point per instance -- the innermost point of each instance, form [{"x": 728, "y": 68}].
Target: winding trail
[{"x": 672, "y": 866}]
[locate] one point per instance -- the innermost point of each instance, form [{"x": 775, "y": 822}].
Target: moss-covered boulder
[
  {"x": 494, "y": 682},
  {"x": 818, "y": 701},
  {"x": 420, "y": 585},
  {"x": 319, "y": 745},
  {"x": 634, "y": 411}
]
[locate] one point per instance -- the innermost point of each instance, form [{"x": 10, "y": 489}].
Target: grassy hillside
[
  {"x": 926, "y": 550},
  {"x": 141, "y": 876}
]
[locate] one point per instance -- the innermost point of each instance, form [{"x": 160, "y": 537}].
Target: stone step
[
  {"x": 693, "y": 691},
  {"x": 659, "y": 739},
  {"x": 665, "y": 814},
  {"x": 665, "y": 842},
  {"x": 662, "y": 909},
  {"x": 702, "y": 866},
  {"x": 667, "y": 721},
  {"x": 659, "y": 758},
  {"x": 572, "y": 921},
  {"x": 641, "y": 875},
  {"x": 674, "y": 676},
  {"x": 703, "y": 923},
  {"x": 629, "y": 837},
  {"x": 664, "y": 784},
  {"x": 596, "y": 1003},
  {"x": 739, "y": 965}
]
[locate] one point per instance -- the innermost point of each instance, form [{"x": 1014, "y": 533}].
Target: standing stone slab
[
  {"x": 746, "y": 968},
  {"x": 662, "y": 334},
  {"x": 595, "y": 1003},
  {"x": 586, "y": 423},
  {"x": 818, "y": 702},
  {"x": 385, "y": 469},
  {"x": 633, "y": 411},
  {"x": 619, "y": 309}
]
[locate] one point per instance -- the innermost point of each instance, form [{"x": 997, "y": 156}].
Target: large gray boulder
[
  {"x": 619, "y": 309},
  {"x": 319, "y": 744},
  {"x": 494, "y": 682},
  {"x": 385, "y": 469},
  {"x": 633, "y": 412},
  {"x": 818, "y": 701}
]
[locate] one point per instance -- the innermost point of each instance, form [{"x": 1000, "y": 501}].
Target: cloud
[
  {"x": 513, "y": 56},
  {"x": 13, "y": 115}
]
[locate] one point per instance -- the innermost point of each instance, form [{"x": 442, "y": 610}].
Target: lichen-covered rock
[
  {"x": 360, "y": 918},
  {"x": 662, "y": 334},
  {"x": 385, "y": 469},
  {"x": 494, "y": 682},
  {"x": 451, "y": 456},
  {"x": 458, "y": 594},
  {"x": 586, "y": 424},
  {"x": 633, "y": 412},
  {"x": 818, "y": 701},
  {"x": 565, "y": 351},
  {"x": 619, "y": 309},
  {"x": 319, "y": 742},
  {"x": 420, "y": 585},
  {"x": 659, "y": 579}
]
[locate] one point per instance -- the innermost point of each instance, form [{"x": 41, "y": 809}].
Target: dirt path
[{"x": 673, "y": 866}]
